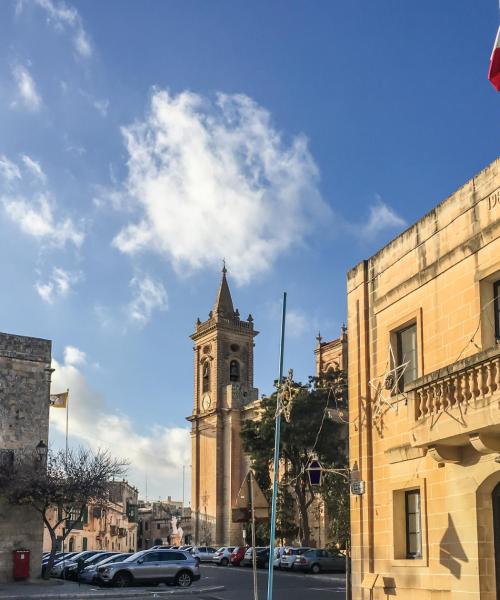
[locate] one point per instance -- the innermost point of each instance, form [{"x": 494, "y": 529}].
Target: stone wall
[
  {"x": 24, "y": 422},
  {"x": 436, "y": 276}
]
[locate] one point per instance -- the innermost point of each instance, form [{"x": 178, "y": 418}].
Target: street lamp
[
  {"x": 315, "y": 472},
  {"x": 41, "y": 450}
]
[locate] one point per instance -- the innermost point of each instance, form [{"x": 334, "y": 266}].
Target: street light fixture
[
  {"x": 41, "y": 450},
  {"x": 315, "y": 472}
]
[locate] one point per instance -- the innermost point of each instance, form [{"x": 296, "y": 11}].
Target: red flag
[{"x": 494, "y": 70}]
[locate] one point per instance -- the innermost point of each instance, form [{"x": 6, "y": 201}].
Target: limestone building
[
  {"x": 331, "y": 354},
  {"x": 424, "y": 396},
  {"x": 24, "y": 422},
  {"x": 223, "y": 397},
  {"x": 112, "y": 527},
  {"x": 156, "y": 525}
]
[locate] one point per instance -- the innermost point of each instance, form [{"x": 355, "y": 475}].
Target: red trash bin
[{"x": 21, "y": 564}]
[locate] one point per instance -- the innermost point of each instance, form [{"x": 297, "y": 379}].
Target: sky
[{"x": 142, "y": 142}]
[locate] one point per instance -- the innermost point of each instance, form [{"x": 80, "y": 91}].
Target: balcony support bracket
[
  {"x": 445, "y": 454},
  {"x": 484, "y": 443}
]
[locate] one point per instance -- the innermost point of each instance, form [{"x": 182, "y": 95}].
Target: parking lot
[
  {"x": 237, "y": 582},
  {"x": 216, "y": 583}
]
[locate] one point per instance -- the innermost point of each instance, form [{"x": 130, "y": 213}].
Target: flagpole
[
  {"x": 276, "y": 458},
  {"x": 67, "y": 422}
]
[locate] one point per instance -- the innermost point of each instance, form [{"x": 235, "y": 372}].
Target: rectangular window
[
  {"x": 84, "y": 543},
  {"x": 496, "y": 304},
  {"x": 406, "y": 352},
  {"x": 413, "y": 524},
  {"x": 158, "y": 526}
]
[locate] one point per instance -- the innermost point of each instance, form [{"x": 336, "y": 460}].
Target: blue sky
[{"x": 142, "y": 142}]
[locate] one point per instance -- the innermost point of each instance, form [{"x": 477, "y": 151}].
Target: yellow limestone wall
[{"x": 434, "y": 273}]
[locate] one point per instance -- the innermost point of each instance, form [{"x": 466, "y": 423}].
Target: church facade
[{"x": 224, "y": 397}]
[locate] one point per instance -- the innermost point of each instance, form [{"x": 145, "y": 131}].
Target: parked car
[
  {"x": 237, "y": 555},
  {"x": 204, "y": 553},
  {"x": 89, "y": 573},
  {"x": 248, "y": 557},
  {"x": 262, "y": 558},
  {"x": 59, "y": 556},
  {"x": 152, "y": 566},
  {"x": 222, "y": 556},
  {"x": 278, "y": 553},
  {"x": 289, "y": 555},
  {"x": 74, "y": 568},
  {"x": 62, "y": 567},
  {"x": 318, "y": 559}
]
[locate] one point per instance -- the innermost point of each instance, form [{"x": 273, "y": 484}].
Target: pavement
[{"x": 217, "y": 583}]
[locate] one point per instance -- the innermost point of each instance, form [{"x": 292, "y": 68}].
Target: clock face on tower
[{"x": 206, "y": 402}]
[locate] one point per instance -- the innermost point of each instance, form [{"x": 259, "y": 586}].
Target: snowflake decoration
[{"x": 386, "y": 386}]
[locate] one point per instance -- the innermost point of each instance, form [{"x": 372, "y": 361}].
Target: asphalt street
[
  {"x": 238, "y": 584},
  {"x": 217, "y": 583}
]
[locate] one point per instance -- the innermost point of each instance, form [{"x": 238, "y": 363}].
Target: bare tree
[{"x": 67, "y": 481}]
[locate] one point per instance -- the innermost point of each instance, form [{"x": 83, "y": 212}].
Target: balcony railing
[
  {"x": 456, "y": 404},
  {"x": 461, "y": 385}
]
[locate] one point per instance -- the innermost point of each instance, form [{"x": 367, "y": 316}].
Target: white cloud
[
  {"x": 381, "y": 217},
  {"x": 26, "y": 89},
  {"x": 101, "y": 106},
  {"x": 9, "y": 170},
  {"x": 58, "y": 286},
  {"x": 148, "y": 295},
  {"x": 67, "y": 18},
  {"x": 36, "y": 218},
  {"x": 74, "y": 356},
  {"x": 297, "y": 324},
  {"x": 34, "y": 167},
  {"x": 215, "y": 179},
  {"x": 160, "y": 451}
]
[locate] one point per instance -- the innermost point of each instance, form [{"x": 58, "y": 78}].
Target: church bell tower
[{"x": 223, "y": 395}]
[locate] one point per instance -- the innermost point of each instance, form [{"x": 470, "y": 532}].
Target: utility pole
[
  {"x": 277, "y": 430},
  {"x": 254, "y": 552}
]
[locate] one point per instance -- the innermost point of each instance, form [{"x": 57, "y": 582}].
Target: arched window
[
  {"x": 206, "y": 376},
  {"x": 234, "y": 370}
]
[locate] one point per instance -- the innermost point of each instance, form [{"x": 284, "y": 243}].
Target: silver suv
[{"x": 152, "y": 566}]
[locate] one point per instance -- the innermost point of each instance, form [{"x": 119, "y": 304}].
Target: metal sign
[{"x": 357, "y": 488}]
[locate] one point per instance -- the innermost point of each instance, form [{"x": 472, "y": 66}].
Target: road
[
  {"x": 217, "y": 583},
  {"x": 238, "y": 585}
]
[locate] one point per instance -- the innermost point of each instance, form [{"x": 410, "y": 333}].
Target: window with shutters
[
  {"x": 413, "y": 524},
  {"x": 406, "y": 352}
]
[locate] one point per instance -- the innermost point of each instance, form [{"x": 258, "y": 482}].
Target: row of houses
[{"x": 111, "y": 527}]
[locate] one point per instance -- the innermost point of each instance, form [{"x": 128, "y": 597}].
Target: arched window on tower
[
  {"x": 234, "y": 370},
  {"x": 206, "y": 376}
]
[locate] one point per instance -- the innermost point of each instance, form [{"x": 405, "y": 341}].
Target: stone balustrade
[{"x": 458, "y": 387}]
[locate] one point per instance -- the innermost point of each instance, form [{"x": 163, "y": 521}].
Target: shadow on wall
[{"x": 451, "y": 550}]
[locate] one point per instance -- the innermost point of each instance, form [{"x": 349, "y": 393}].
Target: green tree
[
  {"x": 335, "y": 492},
  {"x": 309, "y": 432},
  {"x": 68, "y": 481}
]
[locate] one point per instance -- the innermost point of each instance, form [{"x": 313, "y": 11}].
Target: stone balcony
[{"x": 456, "y": 406}]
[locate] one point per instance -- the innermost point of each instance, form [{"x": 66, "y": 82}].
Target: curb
[{"x": 118, "y": 594}]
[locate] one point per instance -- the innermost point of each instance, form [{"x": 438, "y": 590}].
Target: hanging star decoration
[
  {"x": 385, "y": 388},
  {"x": 287, "y": 392}
]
